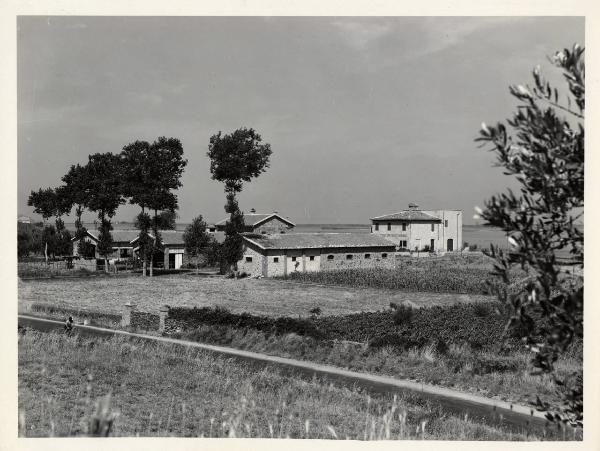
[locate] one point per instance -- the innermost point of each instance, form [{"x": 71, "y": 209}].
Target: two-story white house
[{"x": 421, "y": 230}]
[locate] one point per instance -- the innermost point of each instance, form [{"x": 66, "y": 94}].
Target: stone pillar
[
  {"x": 126, "y": 316},
  {"x": 163, "y": 313},
  {"x": 166, "y": 258}
]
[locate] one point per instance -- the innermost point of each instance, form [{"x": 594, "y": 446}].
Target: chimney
[
  {"x": 275, "y": 211},
  {"x": 413, "y": 206},
  {"x": 252, "y": 210}
]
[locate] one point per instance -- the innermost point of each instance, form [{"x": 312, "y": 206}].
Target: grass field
[
  {"x": 166, "y": 390},
  {"x": 261, "y": 296}
]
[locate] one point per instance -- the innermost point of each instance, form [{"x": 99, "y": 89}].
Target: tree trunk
[
  {"x": 144, "y": 266},
  {"x": 106, "y": 264},
  {"x": 46, "y": 251},
  {"x": 151, "y": 265}
]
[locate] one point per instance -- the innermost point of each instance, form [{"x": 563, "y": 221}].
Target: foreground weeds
[
  {"x": 501, "y": 375},
  {"x": 73, "y": 386}
]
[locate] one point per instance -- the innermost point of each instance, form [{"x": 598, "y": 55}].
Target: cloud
[
  {"x": 361, "y": 33},
  {"x": 441, "y": 33}
]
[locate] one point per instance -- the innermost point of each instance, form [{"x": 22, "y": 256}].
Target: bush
[
  {"x": 462, "y": 324},
  {"x": 402, "y": 314},
  {"x": 439, "y": 277}
]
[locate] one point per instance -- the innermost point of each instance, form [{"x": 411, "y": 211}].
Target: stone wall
[
  {"x": 88, "y": 264},
  {"x": 276, "y": 263},
  {"x": 144, "y": 321},
  {"x": 254, "y": 267},
  {"x": 273, "y": 226},
  {"x": 359, "y": 258}
]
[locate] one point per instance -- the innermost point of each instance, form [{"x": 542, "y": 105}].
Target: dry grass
[
  {"x": 260, "y": 296},
  {"x": 485, "y": 373},
  {"x": 166, "y": 390}
]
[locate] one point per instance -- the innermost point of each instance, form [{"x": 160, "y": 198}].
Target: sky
[{"x": 363, "y": 114}]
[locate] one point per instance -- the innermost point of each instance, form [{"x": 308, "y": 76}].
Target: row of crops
[{"x": 434, "y": 278}]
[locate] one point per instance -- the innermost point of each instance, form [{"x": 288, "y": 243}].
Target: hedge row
[
  {"x": 479, "y": 325},
  {"x": 183, "y": 318},
  {"x": 77, "y": 314},
  {"x": 437, "y": 279}
]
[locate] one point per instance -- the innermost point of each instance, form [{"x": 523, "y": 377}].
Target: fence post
[
  {"x": 126, "y": 317},
  {"x": 162, "y": 316}
]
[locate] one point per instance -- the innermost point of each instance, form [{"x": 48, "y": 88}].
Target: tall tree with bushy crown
[
  {"x": 152, "y": 172},
  {"x": 543, "y": 148},
  {"x": 234, "y": 159},
  {"x": 105, "y": 195},
  {"x": 196, "y": 239}
]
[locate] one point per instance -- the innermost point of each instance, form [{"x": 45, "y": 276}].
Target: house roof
[
  {"x": 120, "y": 236},
  {"x": 169, "y": 237},
  {"x": 318, "y": 240},
  {"x": 408, "y": 215},
  {"x": 255, "y": 219}
]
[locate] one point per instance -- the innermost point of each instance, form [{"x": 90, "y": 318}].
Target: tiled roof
[
  {"x": 318, "y": 240},
  {"x": 172, "y": 237},
  {"x": 253, "y": 219},
  {"x": 117, "y": 235},
  {"x": 169, "y": 237},
  {"x": 408, "y": 215}
]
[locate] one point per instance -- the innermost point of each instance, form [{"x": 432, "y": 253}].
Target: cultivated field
[
  {"x": 260, "y": 296},
  {"x": 165, "y": 390}
]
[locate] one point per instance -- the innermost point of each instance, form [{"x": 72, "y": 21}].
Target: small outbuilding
[
  {"x": 263, "y": 223},
  {"x": 282, "y": 254}
]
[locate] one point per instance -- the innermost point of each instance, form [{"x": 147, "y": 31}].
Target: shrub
[
  {"x": 402, "y": 314},
  {"x": 315, "y": 312},
  {"x": 404, "y": 328},
  {"x": 435, "y": 276}
]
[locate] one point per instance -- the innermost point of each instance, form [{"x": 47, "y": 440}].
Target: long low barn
[{"x": 277, "y": 255}]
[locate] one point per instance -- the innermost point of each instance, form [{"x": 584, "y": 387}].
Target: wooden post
[
  {"x": 162, "y": 315},
  {"x": 126, "y": 317}
]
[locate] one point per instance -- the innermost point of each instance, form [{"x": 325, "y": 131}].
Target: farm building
[
  {"x": 415, "y": 229},
  {"x": 264, "y": 223},
  {"x": 173, "y": 255},
  {"x": 281, "y": 254},
  {"x": 124, "y": 247}
]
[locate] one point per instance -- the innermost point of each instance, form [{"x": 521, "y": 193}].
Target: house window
[
  {"x": 446, "y": 223},
  {"x": 264, "y": 232},
  {"x": 404, "y": 226},
  {"x": 249, "y": 259},
  {"x": 384, "y": 255},
  {"x": 293, "y": 259},
  {"x": 348, "y": 256},
  {"x": 275, "y": 259},
  {"x": 403, "y": 244},
  {"x": 389, "y": 226},
  {"x": 432, "y": 228},
  {"x": 376, "y": 226},
  {"x": 330, "y": 257},
  {"x": 312, "y": 258},
  {"x": 367, "y": 255},
  {"x": 123, "y": 253}
]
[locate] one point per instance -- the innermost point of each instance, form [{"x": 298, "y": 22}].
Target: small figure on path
[{"x": 69, "y": 324}]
